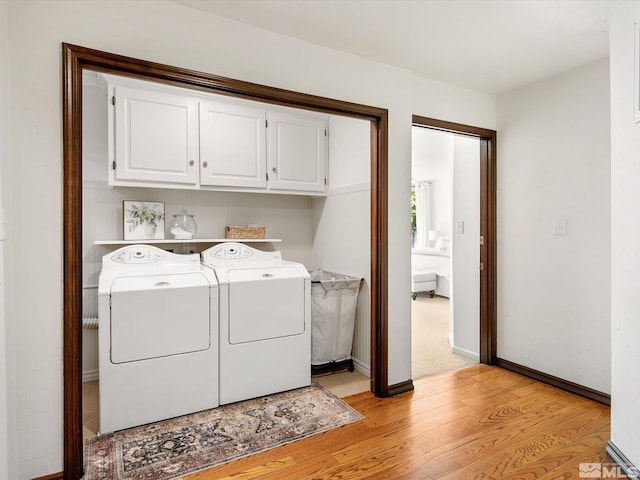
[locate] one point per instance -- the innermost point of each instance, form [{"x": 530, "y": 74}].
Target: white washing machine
[
  {"x": 158, "y": 336},
  {"x": 265, "y": 321}
]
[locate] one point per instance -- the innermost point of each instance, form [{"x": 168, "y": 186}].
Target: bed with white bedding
[{"x": 430, "y": 260}]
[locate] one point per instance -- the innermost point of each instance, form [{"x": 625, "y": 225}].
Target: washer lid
[{"x": 157, "y": 282}]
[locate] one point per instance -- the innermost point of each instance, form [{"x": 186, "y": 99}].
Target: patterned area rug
[{"x": 183, "y": 445}]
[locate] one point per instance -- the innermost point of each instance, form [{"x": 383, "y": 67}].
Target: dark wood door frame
[
  {"x": 76, "y": 59},
  {"x": 488, "y": 287}
]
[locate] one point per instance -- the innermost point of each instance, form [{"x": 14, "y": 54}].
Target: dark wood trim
[
  {"x": 581, "y": 390},
  {"x": 488, "y": 221},
  {"x": 72, "y": 216},
  {"x": 52, "y": 476},
  {"x": 490, "y": 325},
  {"x": 453, "y": 127},
  {"x": 75, "y": 59},
  {"x": 485, "y": 337},
  {"x": 97, "y": 60},
  {"x": 402, "y": 387},
  {"x": 488, "y": 183},
  {"x": 379, "y": 274},
  {"x": 631, "y": 471}
]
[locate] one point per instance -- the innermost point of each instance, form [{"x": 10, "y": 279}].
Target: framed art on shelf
[{"x": 142, "y": 220}]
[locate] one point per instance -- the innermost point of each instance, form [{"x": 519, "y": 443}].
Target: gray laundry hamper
[{"x": 334, "y": 297}]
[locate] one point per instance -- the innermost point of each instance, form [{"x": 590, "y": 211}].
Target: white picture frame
[{"x": 142, "y": 220}]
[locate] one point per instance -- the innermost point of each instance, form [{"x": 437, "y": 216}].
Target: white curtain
[{"x": 423, "y": 214}]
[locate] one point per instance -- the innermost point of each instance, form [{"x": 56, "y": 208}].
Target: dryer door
[
  {"x": 265, "y": 303},
  {"x": 159, "y": 315}
]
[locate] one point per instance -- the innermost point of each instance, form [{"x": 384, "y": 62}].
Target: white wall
[
  {"x": 172, "y": 34},
  {"x": 553, "y": 164},
  {"x": 625, "y": 230},
  {"x": 437, "y": 100},
  {"x": 349, "y": 153},
  {"x": 465, "y": 249},
  {"x": 7, "y": 424},
  {"x": 341, "y": 221}
]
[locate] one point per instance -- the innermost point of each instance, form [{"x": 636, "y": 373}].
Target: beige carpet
[
  {"x": 90, "y": 409},
  {"x": 431, "y": 353},
  {"x": 343, "y": 384}
]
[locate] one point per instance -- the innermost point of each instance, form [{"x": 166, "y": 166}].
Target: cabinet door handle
[
  {"x": 274, "y": 170},
  {"x": 191, "y": 162},
  {"x": 204, "y": 164}
]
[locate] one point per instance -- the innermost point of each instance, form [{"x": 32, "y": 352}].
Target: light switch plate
[{"x": 560, "y": 227}]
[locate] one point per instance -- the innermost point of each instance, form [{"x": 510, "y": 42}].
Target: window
[{"x": 420, "y": 214}]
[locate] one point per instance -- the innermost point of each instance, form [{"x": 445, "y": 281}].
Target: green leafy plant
[
  {"x": 143, "y": 213},
  {"x": 413, "y": 216}
]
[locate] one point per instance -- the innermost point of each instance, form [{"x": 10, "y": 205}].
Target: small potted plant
[{"x": 146, "y": 214}]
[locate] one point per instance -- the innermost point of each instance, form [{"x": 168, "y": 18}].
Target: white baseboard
[
  {"x": 90, "y": 375},
  {"x": 466, "y": 353},
  {"x": 363, "y": 368}
]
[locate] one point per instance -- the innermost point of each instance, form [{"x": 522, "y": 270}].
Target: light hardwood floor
[{"x": 479, "y": 422}]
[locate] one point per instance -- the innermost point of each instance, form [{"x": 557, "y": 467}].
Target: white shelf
[{"x": 193, "y": 240}]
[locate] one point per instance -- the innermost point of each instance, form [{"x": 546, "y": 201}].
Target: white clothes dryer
[
  {"x": 158, "y": 337},
  {"x": 265, "y": 321}
]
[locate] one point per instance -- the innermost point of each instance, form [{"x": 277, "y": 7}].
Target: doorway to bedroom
[{"x": 445, "y": 253}]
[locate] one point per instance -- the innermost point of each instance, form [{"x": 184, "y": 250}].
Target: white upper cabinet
[
  {"x": 164, "y": 136},
  {"x": 297, "y": 151},
  {"x": 232, "y": 145},
  {"x": 154, "y": 137}
]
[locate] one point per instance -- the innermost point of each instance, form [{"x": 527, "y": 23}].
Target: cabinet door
[
  {"x": 232, "y": 145},
  {"x": 156, "y": 137},
  {"x": 297, "y": 152}
]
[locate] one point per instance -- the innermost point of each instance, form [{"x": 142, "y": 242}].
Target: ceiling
[{"x": 485, "y": 45}]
